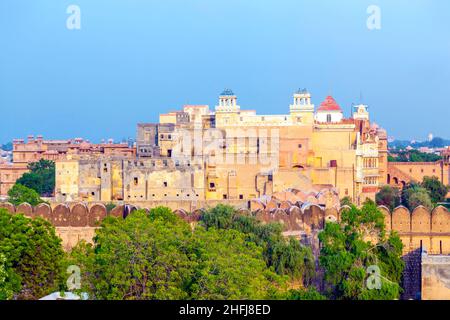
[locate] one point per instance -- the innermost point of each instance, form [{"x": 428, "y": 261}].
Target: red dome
[{"x": 329, "y": 105}]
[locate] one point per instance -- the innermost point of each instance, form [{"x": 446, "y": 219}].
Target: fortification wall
[{"x": 418, "y": 229}]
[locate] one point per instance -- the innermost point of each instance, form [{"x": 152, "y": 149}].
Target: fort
[
  {"x": 240, "y": 156},
  {"x": 289, "y": 168},
  {"x": 420, "y": 230}
]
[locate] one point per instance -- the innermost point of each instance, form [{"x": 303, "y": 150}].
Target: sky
[{"x": 134, "y": 59}]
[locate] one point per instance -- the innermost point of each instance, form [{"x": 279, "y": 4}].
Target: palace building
[
  {"x": 232, "y": 153},
  {"x": 37, "y": 148}
]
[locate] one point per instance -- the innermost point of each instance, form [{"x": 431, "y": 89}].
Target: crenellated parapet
[{"x": 293, "y": 216}]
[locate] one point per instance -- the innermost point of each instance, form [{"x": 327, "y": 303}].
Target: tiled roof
[{"x": 329, "y": 104}]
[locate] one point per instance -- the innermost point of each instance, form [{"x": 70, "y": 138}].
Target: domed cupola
[{"x": 329, "y": 111}]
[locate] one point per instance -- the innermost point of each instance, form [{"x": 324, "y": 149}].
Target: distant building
[
  {"x": 402, "y": 173},
  {"x": 37, "y": 148}
]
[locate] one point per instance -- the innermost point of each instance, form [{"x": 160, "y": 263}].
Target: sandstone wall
[{"x": 435, "y": 277}]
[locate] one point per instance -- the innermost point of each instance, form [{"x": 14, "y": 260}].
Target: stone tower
[{"x": 302, "y": 109}]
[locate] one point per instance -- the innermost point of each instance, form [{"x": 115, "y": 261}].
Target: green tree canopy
[
  {"x": 41, "y": 177},
  {"x": 435, "y": 188},
  {"x": 19, "y": 194},
  {"x": 346, "y": 201},
  {"x": 388, "y": 196},
  {"x": 414, "y": 156},
  {"x": 355, "y": 244},
  {"x": 159, "y": 256},
  {"x": 304, "y": 294},
  {"x": 414, "y": 195},
  {"x": 285, "y": 256},
  {"x": 33, "y": 257}
]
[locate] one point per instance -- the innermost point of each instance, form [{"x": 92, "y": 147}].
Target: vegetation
[
  {"x": 388, "y": 196},
  {"x": 352, "y": 247},
  {"x": 414, "y": 156},
  {"x": 109, "y": 206},
  {"x": 346, "y": 201},
  {"x": 414, "y": 195},
  {"x": 227, "y": 255},
  {"x": 429, "y": 193},
  {"x": 41, "y": 177},
  {"x": 6, "y": 291},
  {"x": 286, "y": 257},
  {"x": 435, "y": 188},
  {"x": 304, "y": 294},
  {"x": 31, "y": 257},
  {"x": 19, "y": 194},
  {"x": 158, "y": 256}
]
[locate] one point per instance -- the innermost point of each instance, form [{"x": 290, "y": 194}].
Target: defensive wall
[{"x": 418, "y": 229}]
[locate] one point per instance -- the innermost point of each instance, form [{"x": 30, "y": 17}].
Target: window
[
  {"x": 136, "y": 181},
  {"x": 328, "y": 117},
  {"x": 241, "y": 196},
  {"x": 299, "y": 145},
  {"x": 165, "y": 183},
  {"x": 224, "y": 196}
]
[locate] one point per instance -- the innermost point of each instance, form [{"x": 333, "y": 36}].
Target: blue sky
[{"x": 134, "y": 59}]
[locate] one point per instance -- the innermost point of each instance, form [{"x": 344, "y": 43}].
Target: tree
[
  {"x": 286, "y": 256},
  {"x": 414, "y": 156},
  {"x": 228, "y": 267},
  {"x": 414, "y": 195},
  {"x": 19, "y": 194},
  {"x": 388, "y": 196},
  {"x": 6, "y": 290},
  {"x": 137, "y": 258},
  {"x": 436, "y": 189},
  {"x": 304, "y": 294},
  {"x": 34, "y": 256},
  {"x": 109, "y": 206},
  {"x": 159, "y": 256},
  {"x": 355, "y": 245},
  {"x": 41, "y": 177},
  {"x": 346, "y": 201},
  {"x": 420, "y": 198}
]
